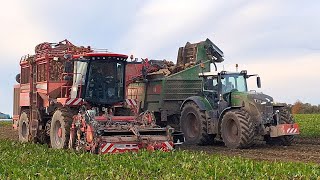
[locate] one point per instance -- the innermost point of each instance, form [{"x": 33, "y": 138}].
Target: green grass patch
[
  {"x": 5, "y": 123},
  {"x": 30, "y": 161},
  {"x": 309, "y": 124}
]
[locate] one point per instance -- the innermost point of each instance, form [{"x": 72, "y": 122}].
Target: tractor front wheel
[
  {"x": 237, "y": 129},
  {"x": 60, "y": 128}
]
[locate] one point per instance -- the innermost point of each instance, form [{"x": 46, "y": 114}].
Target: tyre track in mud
[{"x": 303, "y": 149}]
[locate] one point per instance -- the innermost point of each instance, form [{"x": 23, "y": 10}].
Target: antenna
[{"x": 223, "y": 67}]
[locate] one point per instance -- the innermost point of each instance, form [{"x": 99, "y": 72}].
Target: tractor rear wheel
[
  {"x": 237, "y": 129},
  {"x": 285, "y": 118},
  {"x": 193, "y": 124},
  {"x": 24, "y": 127},
  {"x": 60, "y": 128}
]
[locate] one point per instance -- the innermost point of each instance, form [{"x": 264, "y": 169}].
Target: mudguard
[
  {"x": 227, "y": 109},
  {"x": 201, "y": 102}
]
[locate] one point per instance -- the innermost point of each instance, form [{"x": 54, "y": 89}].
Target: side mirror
[
  {"x": 258, "y": 82},
  {"x": 18, "y": 78}
]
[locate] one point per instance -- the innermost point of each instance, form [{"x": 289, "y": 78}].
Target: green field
[
  {"x": 5, "y": 123},
  {"x": 36, "y": 161},
  {"x": 309, "y": 124},
  {"x": 30, "y": 161}
]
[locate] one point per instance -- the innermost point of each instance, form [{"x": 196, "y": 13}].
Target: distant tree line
[
  {"x": 4, "y": 116},
  {"x": 304, "y": 108}
]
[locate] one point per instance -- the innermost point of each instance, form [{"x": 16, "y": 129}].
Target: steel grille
[{"x": 179, "y": 90}]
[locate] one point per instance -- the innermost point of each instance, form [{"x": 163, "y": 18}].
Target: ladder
[{"x": 34, "y": 122}]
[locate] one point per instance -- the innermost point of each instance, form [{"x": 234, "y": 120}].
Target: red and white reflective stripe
[
  {"x": 106, "y": 147},
  {"x": 292, "y": 130},
  {"x": 132, "y": 102},
  {"x": 114, "y": 148},
  {"x": 74, "y": 101}
]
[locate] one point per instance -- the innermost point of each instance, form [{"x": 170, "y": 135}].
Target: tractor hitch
[{"x": 284, "y": 129}]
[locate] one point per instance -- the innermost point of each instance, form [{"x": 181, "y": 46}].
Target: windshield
[
  {"x": 105, "y": 82},
  {"x": 233, "y": 82}
]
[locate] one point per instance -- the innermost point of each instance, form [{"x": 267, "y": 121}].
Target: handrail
[{"x": 67, "y": 88}]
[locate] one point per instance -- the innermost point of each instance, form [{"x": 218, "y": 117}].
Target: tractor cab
[
  {"x": 101, "y": 77},
  {"x": 221, "y": 85}
]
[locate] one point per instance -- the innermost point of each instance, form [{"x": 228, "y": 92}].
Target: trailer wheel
[
  {"x": 285, "y": 118},
  {"x": 237, "y": 129},
  {"x": 60, "y": 128},
  {"x": 193, "y": 124},
  {"x": 24, "y": 128}
]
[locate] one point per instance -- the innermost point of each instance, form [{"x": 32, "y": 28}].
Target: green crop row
[
  {"x": 31, "y": 161},
  {"x": 5, "y": 123},
  {"x": 309, "y": 124}
]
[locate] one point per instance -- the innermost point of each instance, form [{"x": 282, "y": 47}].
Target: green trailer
[{"x": 164, "y": 95}]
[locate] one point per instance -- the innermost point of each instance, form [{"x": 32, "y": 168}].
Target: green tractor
[
  {"x": 226, "y": 108},
  {"x": 208, "y": 106}
]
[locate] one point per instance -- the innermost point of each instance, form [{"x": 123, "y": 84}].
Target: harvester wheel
[
  {"x": 237, "y": 129},
  {"x": 24, "y": 128},
  {"x": 60, "y": 128},
  {"x": 193, "y": 124},
  {"x": 285, "y": 118}
]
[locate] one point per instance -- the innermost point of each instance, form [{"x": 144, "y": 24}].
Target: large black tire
[
  {"x": 24, "y": 127},
  {"x": 60, "y": 128},
  {"x": 285, "y": 118},
  {"x": 237, "y": 129},
  {"x": 193, "y": 124}
]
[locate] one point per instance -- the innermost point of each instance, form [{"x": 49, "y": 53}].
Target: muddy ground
[{"x": 303, "y": 149}]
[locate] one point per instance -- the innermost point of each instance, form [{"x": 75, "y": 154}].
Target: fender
[
  {"x": 201, "y": 102},
  {"x": 226, "y": 110}
]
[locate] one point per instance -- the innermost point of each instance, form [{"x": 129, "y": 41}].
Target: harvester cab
[{"x": 102, "y": 77}]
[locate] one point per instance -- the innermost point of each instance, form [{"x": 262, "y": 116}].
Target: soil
[
  {"x": 302, "y": 150},
  {"x": 7, "y": 132}
]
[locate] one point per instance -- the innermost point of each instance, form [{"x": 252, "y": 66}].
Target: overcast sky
[{"x": 279, "y": 40}]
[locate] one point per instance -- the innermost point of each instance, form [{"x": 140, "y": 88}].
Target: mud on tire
[
  {"x": 237, "y": 129},
  {"x": 193, "y": 124},
  {"x": 60, "y": 128},
  {"x": 23, "y": 127}
]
